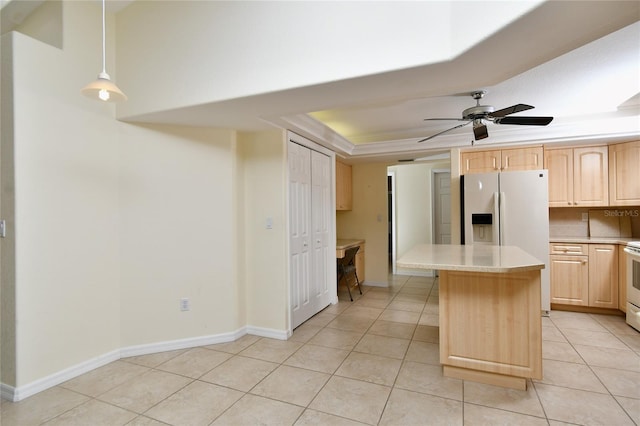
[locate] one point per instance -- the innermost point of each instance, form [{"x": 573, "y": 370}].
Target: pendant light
[{"x": 103, "y": 88}]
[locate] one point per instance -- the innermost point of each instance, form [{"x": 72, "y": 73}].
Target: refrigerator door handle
[
  {"x": 503, "y": 216},
  {"x": 497, "y": 220}
]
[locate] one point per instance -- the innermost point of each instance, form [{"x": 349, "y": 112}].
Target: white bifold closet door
[{"x": 309, "y": 224}]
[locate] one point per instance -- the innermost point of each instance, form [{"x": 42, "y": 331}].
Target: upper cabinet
[
  {"x": 343, "y": 186},
  {"x": 501, "y": 160},
  {"x": 624, "y": 174},
  {"x": 522, "y": 159},
  {"x": 578, "y": 177}
]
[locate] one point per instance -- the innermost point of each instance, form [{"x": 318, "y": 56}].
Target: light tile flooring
[{"x": 372, "y": 361}]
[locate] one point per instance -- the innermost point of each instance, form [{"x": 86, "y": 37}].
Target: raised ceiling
[{"x": 576, "y": 61}]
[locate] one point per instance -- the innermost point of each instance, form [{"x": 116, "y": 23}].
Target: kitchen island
[{"x": 490, "y": 311}]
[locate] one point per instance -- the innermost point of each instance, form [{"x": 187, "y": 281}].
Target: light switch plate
[{"x": 585, "y": 217}]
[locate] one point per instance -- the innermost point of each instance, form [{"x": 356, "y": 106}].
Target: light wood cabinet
[
  {"x": 603, "y": 276},
  {"x": 578, "y": 177},
  {"x": 559, "y": 165},
  {"x": 480, "y": 162},
  {"x": 569, "y": 275},
  {"x": 522, "y": 159},
  {"x": 591, "y": 176},
  {"x": 584, "y": 275},
  {"x": 344, "y": 195},
  {"x": 624, "y": 174},
  {"x": 505, "y": 160}
]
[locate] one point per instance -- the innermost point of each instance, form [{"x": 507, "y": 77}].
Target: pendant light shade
[{"x": 103, "y": 88}]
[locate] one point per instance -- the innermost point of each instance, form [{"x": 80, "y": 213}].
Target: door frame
[
  {"x": 331, "y": 266},
  {"x": 392, "y": 226}
]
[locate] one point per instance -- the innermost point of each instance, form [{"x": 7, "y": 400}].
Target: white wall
[{"x": 414, "y": 204}]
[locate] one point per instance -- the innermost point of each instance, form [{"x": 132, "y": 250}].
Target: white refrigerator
[{"x": 510, "y": 209}]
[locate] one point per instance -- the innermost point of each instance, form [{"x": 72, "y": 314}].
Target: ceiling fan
[{"x": 478, "y": 113}]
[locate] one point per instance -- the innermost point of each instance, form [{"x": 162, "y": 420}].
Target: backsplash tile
[{"x": 567, "y": 222}]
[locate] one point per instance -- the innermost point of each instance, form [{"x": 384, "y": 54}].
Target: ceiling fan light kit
[{"x": 478, "y": 113}]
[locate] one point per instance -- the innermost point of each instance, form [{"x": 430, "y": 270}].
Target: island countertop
[{"x": 469, "y": 258}]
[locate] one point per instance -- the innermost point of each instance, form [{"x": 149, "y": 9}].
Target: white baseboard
[
  {"x": 375, "y": 283},
  {"x": 188, "y": 343},
  {"x": 16, "y": 394},
  {"x": 269, "y": 332},
  {"x": 19, "y": 393}
]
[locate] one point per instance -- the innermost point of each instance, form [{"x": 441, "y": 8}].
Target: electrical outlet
[
  {"x": 184, "y": 304},
  {"x": 585, "y": 217}
]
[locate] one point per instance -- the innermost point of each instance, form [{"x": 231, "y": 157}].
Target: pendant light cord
[{"x": 104, "y": 43}]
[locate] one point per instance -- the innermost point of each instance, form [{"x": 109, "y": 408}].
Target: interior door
[
  {"x": 300, "y": 231},
  {"x": 442, "y": 207},
  {"x": 321, "y": 222},
  {"x": 310, "y": 225}
]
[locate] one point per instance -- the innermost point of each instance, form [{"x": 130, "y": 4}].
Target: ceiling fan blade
[
  {"x": 510, "y": 110},
  {"x": 525, "y": 121},
  {"x": 444, "y": 131}
]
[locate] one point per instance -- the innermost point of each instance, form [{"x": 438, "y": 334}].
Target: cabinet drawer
[{"x": 572, "y": 249}]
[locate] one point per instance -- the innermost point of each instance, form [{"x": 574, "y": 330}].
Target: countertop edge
[
  {"x": 593, "y": 240},
  {"x": 343, "y": 243},
  {"x": 466, "y": 268}
]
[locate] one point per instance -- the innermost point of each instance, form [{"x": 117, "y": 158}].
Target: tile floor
[{"x": 372, "y": 361}]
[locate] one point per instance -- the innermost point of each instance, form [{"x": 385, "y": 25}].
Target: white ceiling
[{"x": 576, "y": 61}]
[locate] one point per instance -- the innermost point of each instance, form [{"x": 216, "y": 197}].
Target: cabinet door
[
  {"x": 559, "y": 163},
  {"x": 603, "y": 276},
  {"x": 624, "y": 174},
  {"x": 522, "y": 159},
  {"x": 569, "y": 280},
  {"x": 591, "y": 176},
  {"x": 343, "y": 186},
  {"x": 480, "y": 162}
]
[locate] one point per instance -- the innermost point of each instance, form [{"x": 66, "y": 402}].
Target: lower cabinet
[
  {"x": 584, "y": 275},
  {"x": 603, "y": 275}
]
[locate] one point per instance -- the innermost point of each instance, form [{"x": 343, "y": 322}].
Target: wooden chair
[{"x": 347, "y": 269}]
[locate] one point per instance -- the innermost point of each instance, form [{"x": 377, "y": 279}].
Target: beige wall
[
  {"x": 263, "y": 156},
  {"x": 368, "y": 219},
  {"x": 66, "y": 191},
  {"x": 456, "y": 232},
  {"x": 177, "y": 227},
  {"x": 116, "y": 222}
]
